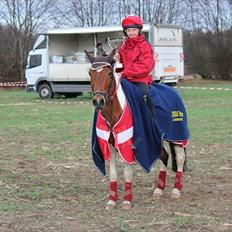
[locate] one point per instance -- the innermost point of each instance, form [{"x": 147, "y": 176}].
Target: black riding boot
[
  {"x": 149, "y": 105},
  {"x": 144, "y": 89}
]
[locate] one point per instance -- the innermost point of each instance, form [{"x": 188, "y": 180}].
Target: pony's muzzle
[{"x": 99, "y": 102}]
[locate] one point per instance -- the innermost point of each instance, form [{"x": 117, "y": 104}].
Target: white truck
[{"x": 58, "y": 65}]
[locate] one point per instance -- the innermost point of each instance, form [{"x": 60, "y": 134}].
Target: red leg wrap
[
  {"x": 128, "y": 191},
  {"x": 178, "y": 183},
  {"x": 113, "y": 191},
  {"x": 161, "y": 182}
]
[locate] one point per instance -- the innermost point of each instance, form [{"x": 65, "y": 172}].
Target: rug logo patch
[{"x": 177, "y": 116}]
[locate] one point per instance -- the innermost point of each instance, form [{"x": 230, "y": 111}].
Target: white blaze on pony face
[
  {"x": 132, "y": 32},
  {"x": 101, "y": 83}
]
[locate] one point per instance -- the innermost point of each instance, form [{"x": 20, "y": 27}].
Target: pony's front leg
[
  {"x": 113, "y": 185},
  {"x": 128, "y": 196},
  {"x": 180, "y": 158}
]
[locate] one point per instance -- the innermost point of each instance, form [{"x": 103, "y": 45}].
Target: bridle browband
[
  {"x": 96, "y": 66},
  {"x": 100, "y": 64}
]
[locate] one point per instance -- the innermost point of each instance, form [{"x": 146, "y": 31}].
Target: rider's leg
[{"x": 144, "y": 89}]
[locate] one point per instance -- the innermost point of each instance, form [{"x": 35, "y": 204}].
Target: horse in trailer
[{"x": 116, "y": 124}]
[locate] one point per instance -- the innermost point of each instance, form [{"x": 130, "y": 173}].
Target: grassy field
[{"x": 48, "y": 181}]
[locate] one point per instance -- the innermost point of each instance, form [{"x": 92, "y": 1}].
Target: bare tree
[
  {"x": 86, "y": 12},
  {"x": 211, "y": 49},
  {"x": 207, "y": 21},
  {"x": 23, "y": 18}
]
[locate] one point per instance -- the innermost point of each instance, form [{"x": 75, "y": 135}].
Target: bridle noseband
[{"x": 97, "y": 66}]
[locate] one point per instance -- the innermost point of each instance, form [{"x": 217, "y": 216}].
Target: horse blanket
[
  {"x": 122, "y": 132},
  {"x": 148, "y": 133}
]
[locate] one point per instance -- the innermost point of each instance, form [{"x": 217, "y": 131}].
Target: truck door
[
  {"x": 169, "y": 61},
  {"x": 168, "y": 49},
  {"x": 37, "y": 63}
]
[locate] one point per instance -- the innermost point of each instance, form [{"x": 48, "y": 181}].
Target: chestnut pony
[{"x": 105, "y": 84}]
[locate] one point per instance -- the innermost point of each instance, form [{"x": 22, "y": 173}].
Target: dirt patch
[{"x": 70, "y": 195}]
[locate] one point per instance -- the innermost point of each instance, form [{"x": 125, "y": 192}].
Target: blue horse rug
[{"x": 170, "y": 124}]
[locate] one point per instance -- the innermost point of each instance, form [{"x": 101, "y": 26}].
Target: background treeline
[{"x": 207, "y": 28}]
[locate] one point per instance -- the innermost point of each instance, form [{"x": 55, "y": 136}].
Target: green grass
[
  {"x": 38, "y": 126},
  {"x": 206, "y": 83},
  {"x": 9, "y": 206},
  {"x": 46, "y": 167},
  {"x": 209, "y": 115}
]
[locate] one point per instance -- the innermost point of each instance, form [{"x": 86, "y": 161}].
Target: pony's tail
[{"x": 174, "y": 163}]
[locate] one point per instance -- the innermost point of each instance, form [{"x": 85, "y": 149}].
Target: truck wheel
[{"x": 45, "y": 91}]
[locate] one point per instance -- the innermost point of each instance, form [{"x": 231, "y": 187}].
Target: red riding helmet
[{"x": 132, "y": 21}]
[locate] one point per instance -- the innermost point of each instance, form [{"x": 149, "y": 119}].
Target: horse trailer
[{"x": 57, "y": 64}]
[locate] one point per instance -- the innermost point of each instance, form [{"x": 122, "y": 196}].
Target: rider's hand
[{"x": 117, "y": 57}]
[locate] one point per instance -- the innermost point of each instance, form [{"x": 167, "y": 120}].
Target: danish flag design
[{"x": 122, "y": 132}]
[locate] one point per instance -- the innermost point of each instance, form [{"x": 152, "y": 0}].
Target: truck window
[{"x": 35, "y": 60}]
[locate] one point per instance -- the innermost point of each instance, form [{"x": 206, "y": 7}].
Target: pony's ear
[
  {"x": 91, "y": 58},
  {"x": 110, "y": 57}
]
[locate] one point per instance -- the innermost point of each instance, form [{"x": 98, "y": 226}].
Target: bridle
[{"x": 97, "y": 66}]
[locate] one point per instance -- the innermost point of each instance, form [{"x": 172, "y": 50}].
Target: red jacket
[{"x": 138, "y": 60}]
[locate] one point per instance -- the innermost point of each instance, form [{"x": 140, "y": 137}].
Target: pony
[{"x": 109, "y": 101}]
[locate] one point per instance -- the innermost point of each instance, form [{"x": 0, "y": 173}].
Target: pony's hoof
[
  {"x": 158, "y": 193},
  {"x": 126, "y": 205},
  {"x": 110, "y": 205},
  {"x": 175, "y": 194}
]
